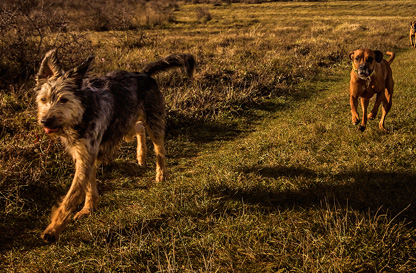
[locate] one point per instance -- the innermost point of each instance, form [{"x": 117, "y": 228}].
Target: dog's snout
[
  {"x": 362, "y": 66},
  {"x": 48, "y": 122}
]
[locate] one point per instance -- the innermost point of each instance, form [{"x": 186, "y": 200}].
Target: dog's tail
[
  {"x": 182, "y": 60},
  {"x": 392, "y": 56}
]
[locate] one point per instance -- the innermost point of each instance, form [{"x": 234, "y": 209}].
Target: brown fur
[
  {"x": 91, "y": 116},
  {"x": 412, "y": 34},
  {"x": 371, "y": 75}
]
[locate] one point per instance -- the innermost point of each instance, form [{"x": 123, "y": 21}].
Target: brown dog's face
[
  {"x": 364, "y": 60},
  {"x": 413, "y": 24}
]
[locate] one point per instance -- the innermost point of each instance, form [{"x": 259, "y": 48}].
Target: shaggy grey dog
[{"x": 91, "y": 116}]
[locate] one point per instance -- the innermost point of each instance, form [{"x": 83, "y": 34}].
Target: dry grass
[{"x": 266, "y": 172}]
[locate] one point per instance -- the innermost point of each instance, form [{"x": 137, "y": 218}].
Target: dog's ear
[
  {"x": 351, "y": 55},
  {"x": 78, "y": 73},
  {"x": 379, "y": 55},
  {"x": 49, "y": 67}
]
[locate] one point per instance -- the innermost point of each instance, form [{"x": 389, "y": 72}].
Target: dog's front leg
[
  {"x": 354, "y": 106},
  {"x": 84, "y": 172},
  {"x": 364, "y": 106},
  {"x": 91, "y": 195}
]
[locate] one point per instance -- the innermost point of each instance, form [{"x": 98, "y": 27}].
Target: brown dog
[
  {"x": 370, "y": 75},
  {"x": 412, "y": 34}
]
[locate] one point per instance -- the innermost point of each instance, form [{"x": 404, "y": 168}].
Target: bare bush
[
  {"x": 28, "y": 28},
  {"x": 27, "y": 31}
]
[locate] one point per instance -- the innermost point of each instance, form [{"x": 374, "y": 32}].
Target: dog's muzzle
[
  {"x": 49, "y": 125},
  {"x": 363, "y": 72}
]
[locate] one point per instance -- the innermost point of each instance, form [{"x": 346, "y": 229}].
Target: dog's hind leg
[
  {"x": 364, "y": 106},
  {"x": 141, "y": 143},
  {"x": 139, "y": 131},
  {"x": 385, "y": 109},
  {"x": 157, "y": 137},
  {"x": 377, "y": 103}
]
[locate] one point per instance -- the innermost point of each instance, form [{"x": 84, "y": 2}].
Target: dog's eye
[
  {"x": 63, "y": 100},
  {"x": 357, "y": 58},
  {"x": 43, "y": 99}
]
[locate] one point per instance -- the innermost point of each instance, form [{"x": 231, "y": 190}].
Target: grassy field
[{"x": 266, "y": 171}]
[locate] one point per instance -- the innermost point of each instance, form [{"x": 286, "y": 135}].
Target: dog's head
[
  {"x": 413, "y": 24},
  {"x": 58, "y": 93},
  {"x": 364, "y": 61}
]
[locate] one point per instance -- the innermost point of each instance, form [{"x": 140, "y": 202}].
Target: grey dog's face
[
  {"x": 364, "y": 61},
  {"x": 59, "y": 105}
]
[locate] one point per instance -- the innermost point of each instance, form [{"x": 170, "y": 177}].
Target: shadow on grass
[
  {"x": 23, "y": 228},
  {"x": 200, "y": 130},
  {"x": 369, "y": 191}
]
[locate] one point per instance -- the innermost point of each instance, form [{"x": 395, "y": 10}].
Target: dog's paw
[
  {"x": 141, "y": 161},
  {"x": 371, "y": 116},
  {"x": 49, "y": 236},
  {"x": 361, "y": 128},
  {"x": 161, "y": 176},
  {"x": 356, "y": 121},
  {"x": 83, "y": 213},
  {"x": 384, "y": 129}
]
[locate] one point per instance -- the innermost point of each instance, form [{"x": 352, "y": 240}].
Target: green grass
[{"x": 267, "y": 173}]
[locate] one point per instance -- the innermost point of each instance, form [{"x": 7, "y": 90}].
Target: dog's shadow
[
  {"x": 201, "y": 131},
  {"x": 374, "y": 191},
  {"x": 121, "y": 174}
]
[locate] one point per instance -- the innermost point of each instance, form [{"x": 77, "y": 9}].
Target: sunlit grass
[{"x": 266, "y": 171}]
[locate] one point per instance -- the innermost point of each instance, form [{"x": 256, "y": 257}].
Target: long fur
[{"x": 91, "y": 116}]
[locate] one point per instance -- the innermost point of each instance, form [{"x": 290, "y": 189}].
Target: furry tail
[
  {"x": 392, "y": 56},
  {"x": 183, "y": 60}
]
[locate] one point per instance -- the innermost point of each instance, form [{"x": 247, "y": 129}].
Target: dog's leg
[
  {"x": 387, "y": 102},
  {"x": 373, "y": 113},
  {"x": 157, "y": 137},
  {"x": 160, "y": 159},
  {"x": 141, "y": 143},
  {"x": 354, "y": 106},
  {"x": 84, "y": 169},
  {"x": 364, "y": 106},
  {"x": 91, "y": 195}
]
